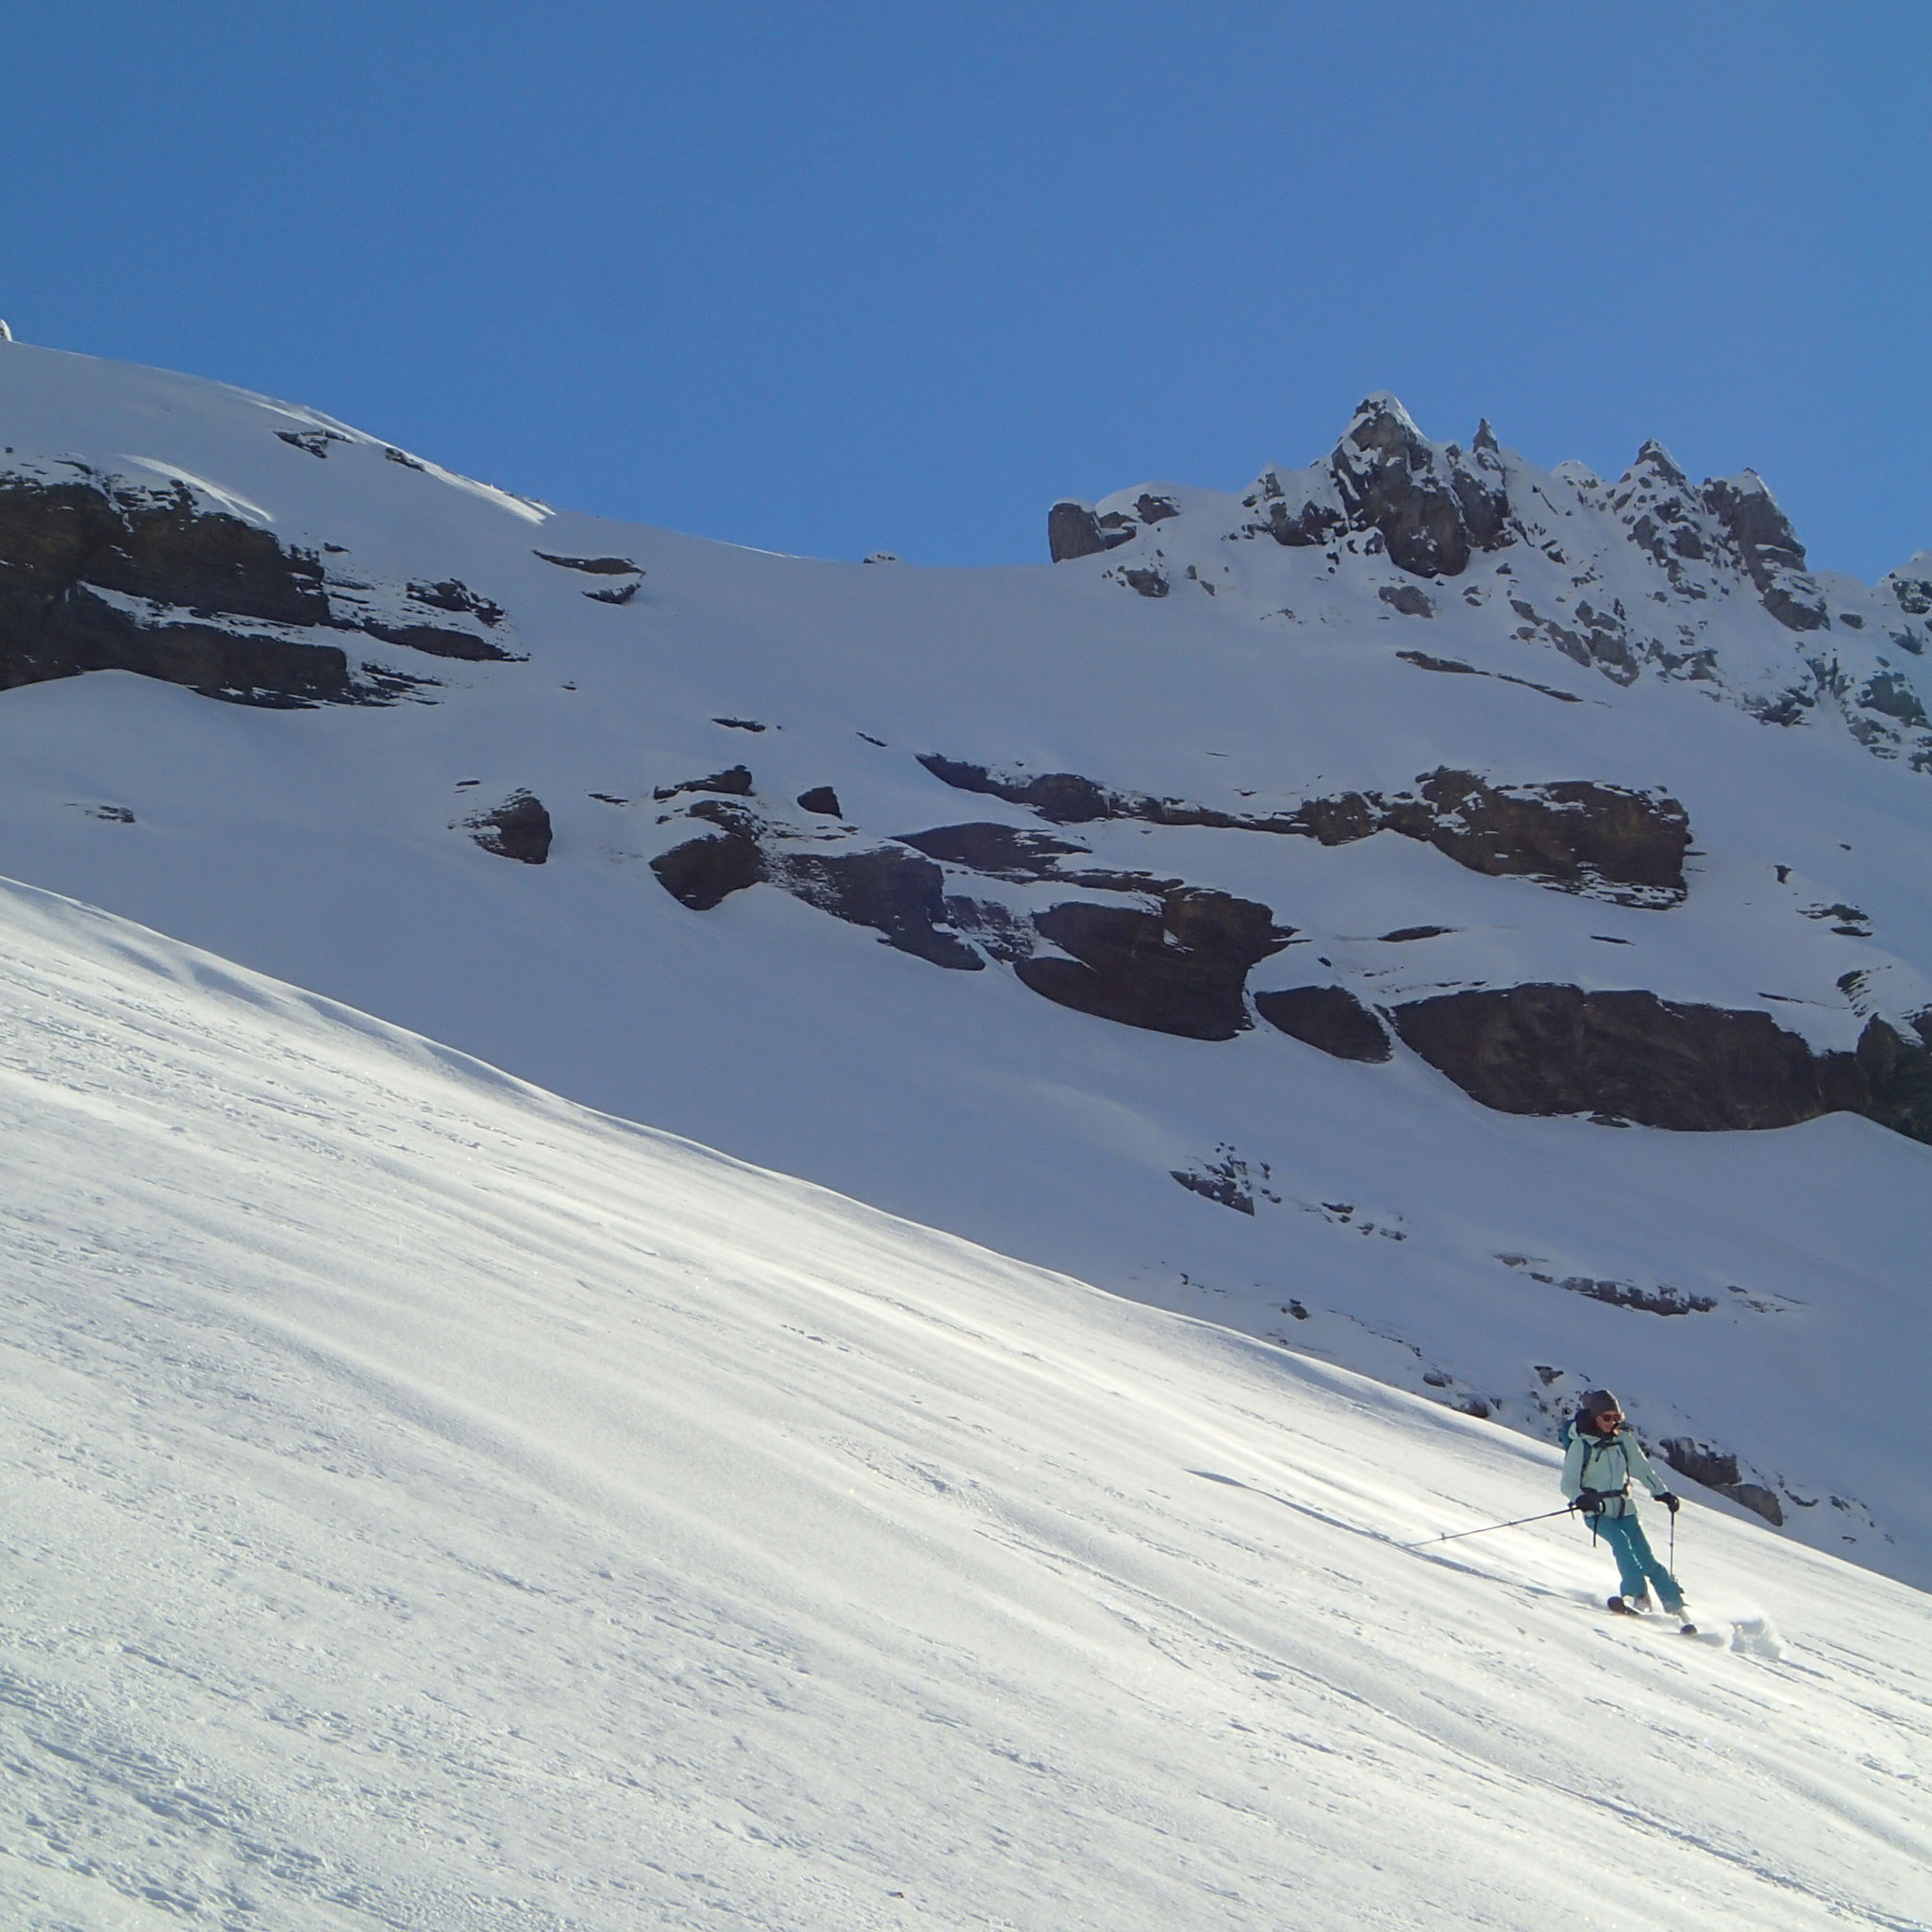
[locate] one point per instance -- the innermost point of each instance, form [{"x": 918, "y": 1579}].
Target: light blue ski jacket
[{"x": 1608, "y": 1464}]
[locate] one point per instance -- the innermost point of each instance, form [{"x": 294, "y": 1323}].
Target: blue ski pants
[{"x": 1638, "y": 1568}]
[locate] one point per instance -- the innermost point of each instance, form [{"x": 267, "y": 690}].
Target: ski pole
[{"x": 1513, "y": 1523}]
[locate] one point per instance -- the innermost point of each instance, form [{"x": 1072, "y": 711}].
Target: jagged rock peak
[
  {"x": 1381, "y": 423},
  {"x": 1433, "y": 506},
  {"x": 1656, "y": 459},
  {"x": 1910, "y": 584}
]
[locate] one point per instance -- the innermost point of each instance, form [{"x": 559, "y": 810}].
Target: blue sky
[{"x": 849, "y": 276}]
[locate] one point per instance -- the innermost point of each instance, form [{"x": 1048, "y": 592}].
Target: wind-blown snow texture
[
  {"x": 433, "y": 1505},
  {"x": 1247, "y": 687}
]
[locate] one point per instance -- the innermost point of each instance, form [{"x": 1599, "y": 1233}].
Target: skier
[{"x": 1601, "y": 1455}]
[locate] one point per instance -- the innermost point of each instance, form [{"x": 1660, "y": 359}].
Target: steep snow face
[
  {"x": 1492, "y": 999},
  {"x": 431, "y": 1505}
]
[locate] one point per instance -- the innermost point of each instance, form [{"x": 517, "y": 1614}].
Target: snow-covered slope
[
  {"x": 432, "y": 1506},
  {"x": 1317, "y": 943}
]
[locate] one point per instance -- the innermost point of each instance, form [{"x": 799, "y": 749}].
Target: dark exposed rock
[
  {"x": 1763, "y": 534},
  {"x": 1717, "y": 1469},
  {"x": 900, "y": 894},
  {"x": 1434, "y": 508},
  {"x": 1912, "y": 595},
  {"x": 1895, "y": 1069},
  {"x": 734, "y": 783},
  {"x": 202, "y": 577},
  {"x": 1423, "y": 661},
  {"x": 1662, "y": 1299},
  {"x": 998, "y": 931},
  {"x": 1313, "y": 521},
  {"x": 1227, "y": 1182},
  {"x": 1768, "y": 550},
  {"x": 1542, "y": 1049},
  {"x": 1885, "y": 692},
  {"x": 1572, "y": 833},
  {"x": 595, "y": 566},
  {"x": 1064, "y": 797},
  {"x": 161, "y": 548},
  {"x": 315, "y": 442},
  {"x": 622, "y": 594},
  {"x": 1402, "y": 934},
  {"x": 1180, "y": 971},
  {"x": 1796, "y": 611},
  {"x": 1602, "y": 643},
  {"x": 821, "y": 799},
  {"x": 83, "y": 631},
  {"x": 1328, "y": 1017},
  {"x": 1155, "y": 509},
  {"x": 1150, "y": 582},
  {"x": 457, "y": 596},
  {"x": 751, "y": 724},
  {"x": 438, "y": 641},
  {"x": 1000, "y": 851},
  {"x": 1073, "y": 531},
  {"x": 703, "y": 873},
  {"x": 518, "y": 828},
  {"x": 1665, "y": 516},
  {"x": 1408, "y": 599}
]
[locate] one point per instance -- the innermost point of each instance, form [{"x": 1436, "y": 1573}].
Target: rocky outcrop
[
  {"x": 821, "y": 800},
  {"x": 518, "y": 828},
  {"x": 438, "y": 641},
  {"x": 1606, "y": 840},
  {"x": 1894, "y": 1074},
  {"x": 1182, "y": 970},
  {"x": 99, "y": 577},
  {"x": 1229, "y": 1182},
  {"x": 1004, "y": 852},
  {"x": 703, "y": 873},
  {"x": 899, "y": 894},
  {"x": 1543, "y": 1049},
  {"x": 1577, "y": 835},
  {"x": 1423, "y": 661},
  {"x": 1658, "y": 1298},
  {"x": 1629, "y": 1055},
  {"x": 1073, "y": 531},
  {"x": 1768, "y": 548},
  {"x": 1717, "y": 1469},
  {"x": 1328, "y": 1017},
  {"x": 592, "y": 566},
  {"x": 734, "y": 782},
  {"x": 1407, "y": 599}
]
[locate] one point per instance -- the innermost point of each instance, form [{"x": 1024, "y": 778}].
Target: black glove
[
  {"x": 1668, "y": 1501},
  {"x": 1588, "y": 1502}
]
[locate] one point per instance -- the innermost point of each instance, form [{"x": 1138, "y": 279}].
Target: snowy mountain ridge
[
  {"x": 1611, "y": 576},
  {"x": 1384, "y": 980}
]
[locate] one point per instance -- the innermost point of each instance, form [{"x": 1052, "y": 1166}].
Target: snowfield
[{"x": 431, "y": 1505}]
